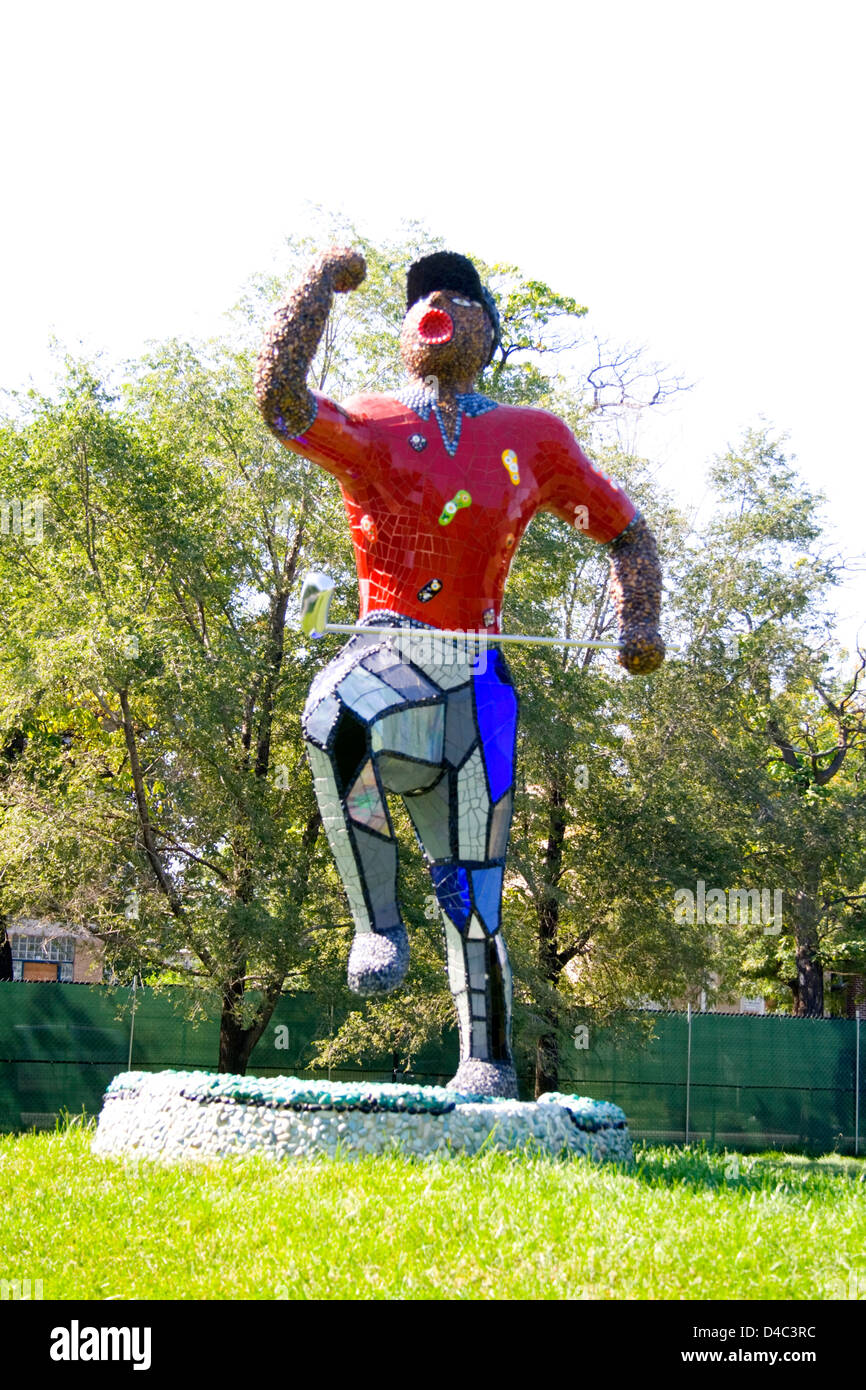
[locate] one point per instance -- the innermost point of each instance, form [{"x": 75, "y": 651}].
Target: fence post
[
  {"x": 857, "y": 1013},
  {"x": 132, "y": 1024},
  {"x": 688, "y": 1067}
]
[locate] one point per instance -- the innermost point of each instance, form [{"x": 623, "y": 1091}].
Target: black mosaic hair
[{"x": 447, "y": 270}]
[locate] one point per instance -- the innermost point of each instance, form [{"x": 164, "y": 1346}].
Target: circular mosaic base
[{"x": 181, "y": 1115}]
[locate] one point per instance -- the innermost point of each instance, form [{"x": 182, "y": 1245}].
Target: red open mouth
[{"x": 436, "y": 327}]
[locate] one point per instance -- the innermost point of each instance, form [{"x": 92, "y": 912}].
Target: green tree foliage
[
  {"x": 147, "y": 675},
  {"x": 779, "y": 724}
]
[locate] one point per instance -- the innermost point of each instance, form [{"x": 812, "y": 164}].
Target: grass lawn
[{"x": 680, "y": 1224}]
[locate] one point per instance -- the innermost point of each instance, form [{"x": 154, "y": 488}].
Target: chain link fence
[
  {"x": 61, "y": 1044},
  {"x": 737, "y": 1081},
  {"x": 745, "y": 1081}
]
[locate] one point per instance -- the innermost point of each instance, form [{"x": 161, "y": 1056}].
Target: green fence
[
  {"x": 61, "y": 1044},
  {"x": 739, "y": 1081},
  {"x": 742, "y": 1081}
]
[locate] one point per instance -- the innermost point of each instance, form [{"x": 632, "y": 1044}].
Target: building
[{"x": 43, "y": 950}]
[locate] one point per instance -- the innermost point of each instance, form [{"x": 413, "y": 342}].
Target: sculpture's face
[{"x": 446, "y": 335}]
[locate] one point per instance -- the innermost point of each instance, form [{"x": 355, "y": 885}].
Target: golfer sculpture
[{"x": 439, "y": 484}]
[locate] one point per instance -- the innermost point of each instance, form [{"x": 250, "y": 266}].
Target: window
[{"x": 44, "y": 951}]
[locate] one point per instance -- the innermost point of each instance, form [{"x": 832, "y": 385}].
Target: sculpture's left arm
[{"x": 575, "y": 489}]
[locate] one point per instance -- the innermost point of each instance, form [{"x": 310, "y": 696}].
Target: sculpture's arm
[
  {"x": 636, "y": 581},
  {"x": 288, "y": 406},
  {"x": 575, "y": 489}
]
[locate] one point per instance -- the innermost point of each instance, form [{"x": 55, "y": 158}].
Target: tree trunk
[
  {"x": 547, "y": 1046},
  {"x": 810, "y": 983},
  {"x": 234, "y": 1052},
  {"x": 547, "y": 1064},
  {"x": 809, "y": 991},
  {"x": 237, "y": 1042}
]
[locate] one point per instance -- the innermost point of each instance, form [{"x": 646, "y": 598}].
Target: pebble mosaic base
[{"x": 172, "y": 1115}]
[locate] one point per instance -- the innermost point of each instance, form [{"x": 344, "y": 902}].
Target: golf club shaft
[{"x": 473, "y": 636}]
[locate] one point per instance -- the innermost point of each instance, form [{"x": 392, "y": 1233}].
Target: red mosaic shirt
[{"x": 436, "y": 519}]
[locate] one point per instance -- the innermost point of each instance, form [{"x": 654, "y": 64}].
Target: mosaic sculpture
[{"x": 439, "y": 484}]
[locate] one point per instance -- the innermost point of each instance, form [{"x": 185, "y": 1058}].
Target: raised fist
[
  {"x": 644, "y": 650},
  {"x": 347, "y": 268}
]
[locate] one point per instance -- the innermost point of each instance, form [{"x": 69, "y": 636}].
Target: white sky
[{"x": 693, "y": 173}]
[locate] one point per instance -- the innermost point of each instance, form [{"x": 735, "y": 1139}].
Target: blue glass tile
[
  {"x": 429, "y": 813},
  {"x": 487, "y": 888},
  {"x": 452, "y": 890},
  {"x": 365, "y": 695},
  {"x": 500, "y": 824},
  {"x": 404, "y": 776},
  {"x": 415, "y": 730},
  {"x": 379, "y": 862},
  {"x": 364, "y": 803},
  {"x": 460, "y": 731},
  {"x": 381, "y": 660},
  {"x": 496, "y": 709}
]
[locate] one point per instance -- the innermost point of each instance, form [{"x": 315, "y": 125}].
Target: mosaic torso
[{"x": 436, "y": 517}]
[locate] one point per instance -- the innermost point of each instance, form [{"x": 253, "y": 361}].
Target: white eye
[{"x": 465, "y": 303}]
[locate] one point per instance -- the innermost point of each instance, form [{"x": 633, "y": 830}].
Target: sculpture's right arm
[{"x": 284, "y": 399}]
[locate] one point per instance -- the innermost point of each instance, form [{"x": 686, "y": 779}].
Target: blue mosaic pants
[{"x": 429, "y": 719}]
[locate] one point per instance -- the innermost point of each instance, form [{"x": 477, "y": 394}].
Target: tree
[
  {"x": 147, "y": 675},
  {"x": 152, "y": 682},
  {"x": 787, "y": 721},
  {"x": 588, "y": 890}
]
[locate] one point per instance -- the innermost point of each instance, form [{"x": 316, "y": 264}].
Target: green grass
[{"x": 680, "y": 1224}]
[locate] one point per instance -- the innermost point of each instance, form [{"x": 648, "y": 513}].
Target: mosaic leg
[
  {"x": 463, "y": 824},
  {"x": 337, "y": 726},
  {"x": 479, "y": 974}
]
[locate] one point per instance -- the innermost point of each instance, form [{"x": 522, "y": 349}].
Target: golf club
[{"x": 318, "y": 590}]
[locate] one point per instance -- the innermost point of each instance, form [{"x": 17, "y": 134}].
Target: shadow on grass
[{"x": 696, "y": 1166}]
